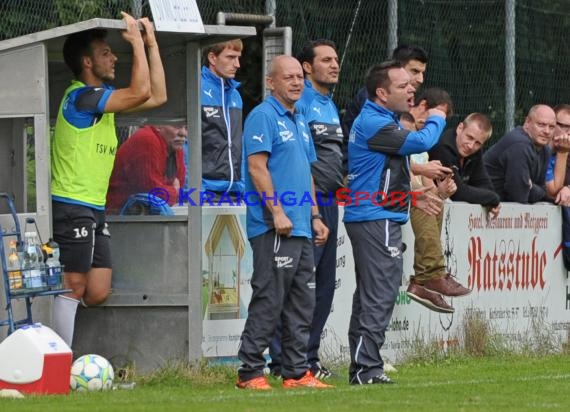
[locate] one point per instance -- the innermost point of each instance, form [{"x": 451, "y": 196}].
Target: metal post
[
  {"x": 193, "y": 113},
  {"x": 136, "y": 8},
  {"x": 271, "y": 10},
  {"x": 276, "y": 41},
  {"x": 510, "y": 70},
  {"x": 392, "y": 26}
]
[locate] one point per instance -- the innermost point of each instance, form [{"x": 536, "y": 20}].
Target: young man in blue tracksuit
[
  {"x": 378, "y": 151},
  {"x": 321, "y": 68},
  {"x": 222, "y": 157}
]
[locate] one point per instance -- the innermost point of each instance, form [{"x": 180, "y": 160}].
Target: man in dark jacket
[
  {"x": 517, "y": 163},
  {"x": 460, "y": 149}
]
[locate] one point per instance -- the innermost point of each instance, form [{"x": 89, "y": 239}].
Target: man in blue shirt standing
[
  {"x": 320, "y": 64},
  {"x": 279, "y": 153},
  {"x": 378, "y": 204}
]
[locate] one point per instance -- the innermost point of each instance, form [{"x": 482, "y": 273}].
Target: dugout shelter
[{"x": 155, "y": 310}]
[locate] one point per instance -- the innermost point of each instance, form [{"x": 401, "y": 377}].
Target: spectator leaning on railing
[
  {"x": 431, "y": 279},
  {"x": 556, "y": 185},
  {"x": 517, "y": 163},
  {"x": 556, "y": 188}
]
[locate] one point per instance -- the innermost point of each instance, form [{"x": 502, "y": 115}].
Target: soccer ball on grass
[{"x": 91, "y": 373}]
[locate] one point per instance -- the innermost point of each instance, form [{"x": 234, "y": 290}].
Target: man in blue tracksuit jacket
[
  {"x": 222, "y": 157},
  {"x": 377, "y": 203}
]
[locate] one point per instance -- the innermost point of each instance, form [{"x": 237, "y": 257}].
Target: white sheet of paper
[{"x": 176, "y": 16}]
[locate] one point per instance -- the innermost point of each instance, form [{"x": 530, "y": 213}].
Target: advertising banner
[{"x": 513, "y": 264}]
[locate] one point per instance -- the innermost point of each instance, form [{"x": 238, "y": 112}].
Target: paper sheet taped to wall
[{"x": 176, "y": 16}]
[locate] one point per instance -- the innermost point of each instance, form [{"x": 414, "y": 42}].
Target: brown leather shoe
[
  {"x": 429, "y": 299},
  {"x": 462, "y": 290},
  {"x": 447, "y": 286}
]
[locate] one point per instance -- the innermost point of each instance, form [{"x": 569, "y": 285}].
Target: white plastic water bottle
[
  {"x": 53, "y": 267},
  {"x": 32, "y": 262}
]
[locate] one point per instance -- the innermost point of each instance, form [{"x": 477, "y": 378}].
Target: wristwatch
[{"x": 317, "y": 216}]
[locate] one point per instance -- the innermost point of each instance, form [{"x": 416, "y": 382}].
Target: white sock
[{"x": 63, "y": 317}]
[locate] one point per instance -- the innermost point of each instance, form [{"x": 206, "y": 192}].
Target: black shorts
[{"x": 83, "y": 237}]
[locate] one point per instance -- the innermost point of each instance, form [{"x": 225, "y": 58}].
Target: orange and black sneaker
[
  {"x": 307, "y": 381},
  {"x": 257, "y": 384}
]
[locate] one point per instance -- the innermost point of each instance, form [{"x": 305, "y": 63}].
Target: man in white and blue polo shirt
[{"x": 279, "y": 153}]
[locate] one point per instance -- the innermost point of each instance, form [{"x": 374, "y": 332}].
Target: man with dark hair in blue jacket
[
  {"x": 222, "y": 158},
  {"x": 378, "y": 169},
  {"x": 413, "y": 58}
]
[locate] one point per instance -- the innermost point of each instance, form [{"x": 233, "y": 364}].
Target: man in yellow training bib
[{"x": 83, "y": 153}]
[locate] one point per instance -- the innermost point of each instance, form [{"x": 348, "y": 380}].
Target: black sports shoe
[
  {"x": 380, "y": 379},
  {"x": 320, "y": 372}
]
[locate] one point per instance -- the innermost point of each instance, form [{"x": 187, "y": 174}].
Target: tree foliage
[
  {"x": 74, "y": 11},
  {"x": 465, "y": 40}
]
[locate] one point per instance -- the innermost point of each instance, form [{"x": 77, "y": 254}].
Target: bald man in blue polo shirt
[{"x": 279, "y": 152}]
